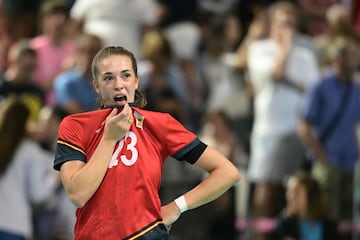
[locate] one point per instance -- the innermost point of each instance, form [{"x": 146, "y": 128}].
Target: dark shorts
[{"x": 158, "y": 233}]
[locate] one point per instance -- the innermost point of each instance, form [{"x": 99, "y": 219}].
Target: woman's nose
[{"x": 118, "y": 84}]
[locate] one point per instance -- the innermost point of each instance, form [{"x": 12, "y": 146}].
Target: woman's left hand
[{"x": 170, "y": 213}]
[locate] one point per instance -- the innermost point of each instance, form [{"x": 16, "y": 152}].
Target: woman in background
[
  {"x": 304, "y": 216},
  {"x": 26, "y": 177}
]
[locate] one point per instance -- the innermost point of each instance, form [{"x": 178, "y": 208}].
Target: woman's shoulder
[
  {"x": 84, "y": 123},
  {"x": 93, "y": 116}
]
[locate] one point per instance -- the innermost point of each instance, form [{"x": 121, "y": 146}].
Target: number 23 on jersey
[{"x": 131, "y": 138}]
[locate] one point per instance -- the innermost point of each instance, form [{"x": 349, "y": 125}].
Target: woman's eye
[
  {"x": 126, "y": 75},
  {"x": 107, "y": 78}
]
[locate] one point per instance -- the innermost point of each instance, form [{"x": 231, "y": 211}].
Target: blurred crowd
[{"x": 273, "y": 85}]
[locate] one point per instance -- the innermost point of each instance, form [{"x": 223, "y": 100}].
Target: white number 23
[{"x": 129, "y": 147}]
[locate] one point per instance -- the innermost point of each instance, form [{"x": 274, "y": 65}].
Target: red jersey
[{"x": 126, "y": 204}]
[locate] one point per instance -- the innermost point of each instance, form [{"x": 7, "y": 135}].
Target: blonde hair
[{"x": 283, "y": 6}]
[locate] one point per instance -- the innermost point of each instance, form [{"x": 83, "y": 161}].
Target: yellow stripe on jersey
[
  {"x": 146, "y": 230},
  {"x": 72, "y": 146}
]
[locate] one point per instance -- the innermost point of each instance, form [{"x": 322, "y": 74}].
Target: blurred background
[{"x": 274, "y": 85}]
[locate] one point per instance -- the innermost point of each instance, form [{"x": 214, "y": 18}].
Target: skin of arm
[
  {"x": 222, "y": 175},
  {"x": 310, "y": 140},
  {"x": 81, "y": 180}
]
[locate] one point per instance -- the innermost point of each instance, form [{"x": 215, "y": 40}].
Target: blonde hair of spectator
[
  {"x": 336, "y": 12},
  {"x": 283, "y": 6},
  {"x": 338, "y": 18},
  {"x": 155, "y": 45}
]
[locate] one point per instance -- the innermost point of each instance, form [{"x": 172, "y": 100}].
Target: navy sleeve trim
[
  {"x": 192, "y": 152},
  {"x": 75, "y": 147},
  {"x": 65, "y": 153}
]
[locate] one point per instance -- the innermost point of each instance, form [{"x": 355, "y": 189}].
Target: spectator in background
[
  {"x": 161, "y": 76},
  {"x": 73, "y": 88},
  {"x": 26, "y": 178},
  {"x": 57, "y": 222},
  {"x": 50, "y": 117},
  {"x": 53, "y": 46},
  {"x": 314, "y": 15},
  {"x": 217, "y": 132},
  {"x": 279, "y": 85},
  {"x": 217, "y": 8},
  {"x": 330, "y": 116},
  {"x": 18, "y": 20},
  {"x": 339, "y": 29},
  {"x": 118, "y": 22},
  {"x": 177, "y": 22},
  {"x": 258, "y": 29},
  {"x": 225, "y": 84},
  {"x": 304, "y": 216},
  {"x": 233, "y": 31},
  {"x": 18, "y": 80}
]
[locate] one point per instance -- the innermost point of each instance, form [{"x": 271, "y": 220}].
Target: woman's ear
[
  {"x": 137, "y": 83},
  {"x": 96, "y": 86}
]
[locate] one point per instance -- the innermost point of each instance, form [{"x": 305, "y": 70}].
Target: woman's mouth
[{"x": 120, "y": 98}]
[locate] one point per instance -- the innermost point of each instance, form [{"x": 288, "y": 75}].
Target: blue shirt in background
[
  {"x": 72, "y": 86},
  {"x": 321, "y": 104}
]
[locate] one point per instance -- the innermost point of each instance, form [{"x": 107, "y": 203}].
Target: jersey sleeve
[
  {"x": 181, "y": 143},
  {"x": 69, "y": 144}
]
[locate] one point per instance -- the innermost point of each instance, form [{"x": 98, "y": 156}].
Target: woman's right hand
[{"x": 117, "y": 123}]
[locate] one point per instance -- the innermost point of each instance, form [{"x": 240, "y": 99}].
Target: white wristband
[{"x": 181, "y": 203}]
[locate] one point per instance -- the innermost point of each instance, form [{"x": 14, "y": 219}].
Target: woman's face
[
  {"x": 117, "y": 81},
  {"x": 54, "y": 23},
  {"x": 283, "y": 20}
]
